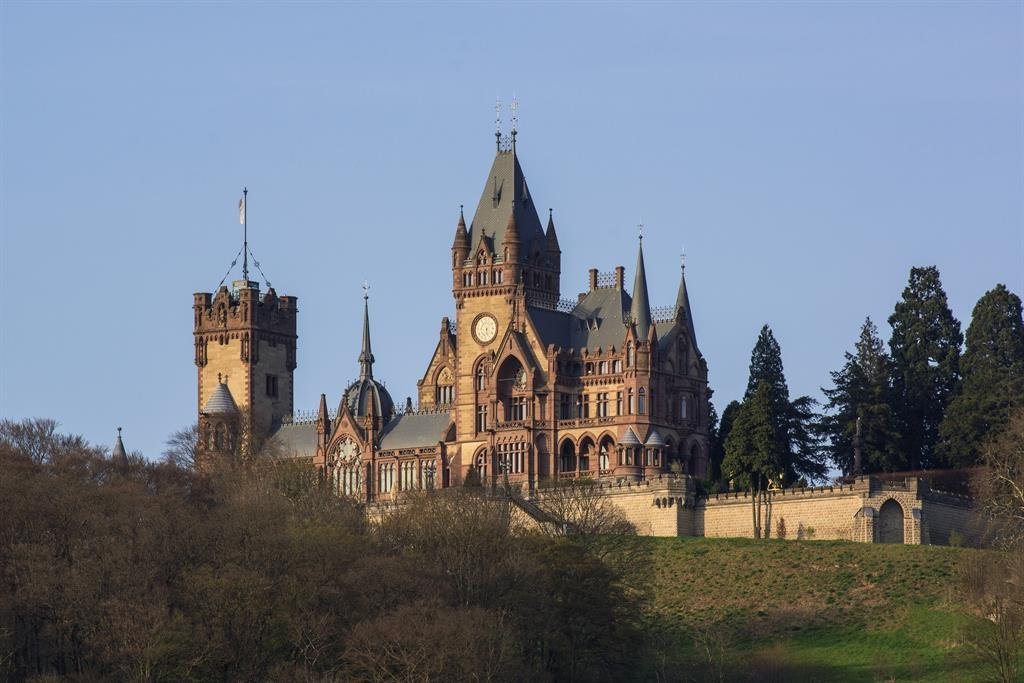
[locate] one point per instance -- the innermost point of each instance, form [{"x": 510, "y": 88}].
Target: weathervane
[
  {"x": 366, "y": 290},
  {"x": 682, "y": 258},
  {"x": 640, "y": 228}
]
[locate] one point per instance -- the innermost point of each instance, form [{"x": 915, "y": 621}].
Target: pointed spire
[
  {"x": 119, "y": 454},
  {"x": 552, "y": 238},
  {"x": 640, "y": 312},
  {"x": 461, "y": 244},
  {"x": 682, "y": 298},
  {"x": 366, "y": 356}
]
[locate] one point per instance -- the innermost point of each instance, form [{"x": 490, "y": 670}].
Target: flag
[{"x": 241, "y": 210}]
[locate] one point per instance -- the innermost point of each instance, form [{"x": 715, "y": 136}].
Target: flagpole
[{"x": 245, "y": 236}]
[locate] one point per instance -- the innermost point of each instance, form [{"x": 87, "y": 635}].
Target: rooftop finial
[
  {"x": 119, "y": 432},
  {"x": 366, "y": 290},
  {"x": 640, "y": 229},
  {"x": 682, "y": 258},
  {"x": 514, "y": 108},
  {"x": 497, "y": 122}
]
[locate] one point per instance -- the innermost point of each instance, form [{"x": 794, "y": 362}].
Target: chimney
[
  {"x": 593, "y": 279},
  {"x": 620, "y": 276}
]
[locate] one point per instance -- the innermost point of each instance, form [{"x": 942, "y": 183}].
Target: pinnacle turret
[
  {"x": 461, "y": 244},
  {"x": 551, "y": 237}
]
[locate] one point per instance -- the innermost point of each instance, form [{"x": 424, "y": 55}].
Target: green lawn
[{"x": 808, "y": 610}]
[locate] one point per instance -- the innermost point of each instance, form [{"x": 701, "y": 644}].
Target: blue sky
[{"x": 806, "y": 154}]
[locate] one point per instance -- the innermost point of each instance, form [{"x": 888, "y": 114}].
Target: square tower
[{"x": 246, "y": 344}]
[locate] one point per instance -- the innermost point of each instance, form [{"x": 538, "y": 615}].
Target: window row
[
  {"x": 412, "y": 475},
  {"x": 483, "y": 277}
]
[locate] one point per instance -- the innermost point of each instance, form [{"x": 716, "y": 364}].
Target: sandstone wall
[{"x": 830, "y": 512}]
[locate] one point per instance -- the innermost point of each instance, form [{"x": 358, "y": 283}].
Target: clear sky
[{"x": 806, "y": 154}]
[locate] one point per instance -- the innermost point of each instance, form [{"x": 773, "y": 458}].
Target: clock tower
[{"x": 502, "y": 262}]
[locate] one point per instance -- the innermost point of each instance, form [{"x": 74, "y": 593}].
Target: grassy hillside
[{"x": 819, "y": 610}]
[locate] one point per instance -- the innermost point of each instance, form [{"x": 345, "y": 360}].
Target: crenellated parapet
[{"x": 243, "y": 315}]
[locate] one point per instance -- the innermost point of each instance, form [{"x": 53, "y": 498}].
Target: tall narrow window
[
  {"x": 481, "y": 379},
  {"x": 631, "y": 408},
  {"x": 642, "y": 402},
  {"x": 565, "y": 407},
  {"x": 629, "y": 355},
  {"x": 518, "y": 408},
  {"x": 602, "y": 404},
  {"x": 272, "y": 386},
  {"x": 683, "y": 412},
  {"x": 618, "y": 403},
  {"x": 481, "y": 418}
]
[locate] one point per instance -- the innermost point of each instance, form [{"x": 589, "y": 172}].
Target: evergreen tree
[
  {"x": 925, "y": 348},
  {"x": 861, "y": 393},
  {"x": 718, "y": 440},
  {"x": 716, "y": 452},
  {"x": 993, "y": 377},
  {"x": 756, "y": 450},
  {"x": 794, "y": 420}
]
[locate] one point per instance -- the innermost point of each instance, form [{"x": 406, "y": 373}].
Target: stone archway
[{"x": 890, "y": 522}]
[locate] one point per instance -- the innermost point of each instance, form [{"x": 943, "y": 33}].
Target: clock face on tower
[{"x": 485, "y": 328}]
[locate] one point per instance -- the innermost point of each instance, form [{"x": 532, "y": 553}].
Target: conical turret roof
[
  {"x": 221, "y": 402},
  {"x": 551, "y": 237},
  {"x": 119, "y": 454},
  {"x": 640, "y": 311}
]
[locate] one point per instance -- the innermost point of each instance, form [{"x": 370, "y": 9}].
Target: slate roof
[
  {"x": 296, "y": 440},
  {"x": 505, "y": 192},
  {"x": 598, "y": 320},
  {"x": 629, "y": 438},
  {"x": 220, "y": 401},
  {"x": 415, "y": 430}
]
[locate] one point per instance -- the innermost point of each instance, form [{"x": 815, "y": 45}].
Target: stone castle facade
[{"x": 522, "y": 387}]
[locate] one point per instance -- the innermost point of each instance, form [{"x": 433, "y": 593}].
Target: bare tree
[
  {"x": 1001, "y": 483},
  {"x": 181, "y": 447},
  {"x": 582, "y": 509},
  {"x": 992, "y": 584}
]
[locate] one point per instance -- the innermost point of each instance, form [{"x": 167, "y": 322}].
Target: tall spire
[
  {"x": 366, "y": 356},
  {"x": 640, "y": 312}
]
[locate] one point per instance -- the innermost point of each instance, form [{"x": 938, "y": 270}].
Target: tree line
[
  {"x": 920, "y": 404},
  {"x": 116, "y": 569}
]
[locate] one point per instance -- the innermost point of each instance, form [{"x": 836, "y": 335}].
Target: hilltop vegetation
[{"x": 138, "y": 571}]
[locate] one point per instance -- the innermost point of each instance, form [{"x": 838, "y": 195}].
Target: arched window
[
  {"x": 512, "y": 389},
  {"x": 629, "y": 355},
  {"x": 604, "y": 455},
  {"x": 445, "y": 392},
  {"x": 630, "y": 406},
  {"x": 567, "y": 459},
  {"x": 386, "y": 477},
  {"x": 481, "y": 466},
  {"x": 347, "y": 468},
  {"x": 684, "y": 412},
  {"x": 642, "y": 402},
  {"x": 481, "y": 378}
]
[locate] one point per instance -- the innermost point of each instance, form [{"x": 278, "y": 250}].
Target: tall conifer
[
  {"x": 993, "y": 377},
  {"x": 925, "y": 348},
  {"x": 859, "y": 413},
  {"x": 793, "y": 419}
]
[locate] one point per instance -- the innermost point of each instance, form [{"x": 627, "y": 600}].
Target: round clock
[{"x": 485, "y": 328}]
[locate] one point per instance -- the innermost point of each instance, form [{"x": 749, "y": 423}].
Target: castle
[{"x": 523, "y": 387}]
